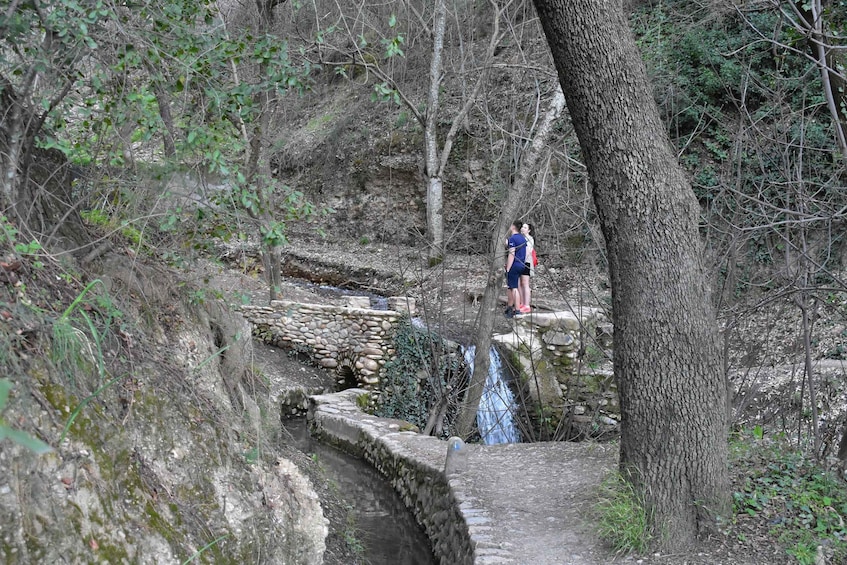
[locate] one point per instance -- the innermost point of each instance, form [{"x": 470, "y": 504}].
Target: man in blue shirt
[{"x": 515, "y": 264}]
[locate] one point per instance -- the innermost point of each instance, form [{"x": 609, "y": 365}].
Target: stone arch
[
  {"x": 324, "y": 332},
  {"x": 347, "y": 375}
]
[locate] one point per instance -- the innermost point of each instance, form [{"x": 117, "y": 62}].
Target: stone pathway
[
  {"x": 521, "y": 503},
  {"x": 539, "y": 497}
]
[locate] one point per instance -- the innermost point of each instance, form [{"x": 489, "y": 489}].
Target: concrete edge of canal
[{"x": 501, "y": 504}]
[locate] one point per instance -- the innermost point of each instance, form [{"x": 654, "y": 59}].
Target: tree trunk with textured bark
[
  {"x": 666, "y": 351},
  {"x": 258, "y": 170}
]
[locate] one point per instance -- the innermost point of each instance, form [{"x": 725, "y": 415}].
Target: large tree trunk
[{"x": 667, "y": 355}]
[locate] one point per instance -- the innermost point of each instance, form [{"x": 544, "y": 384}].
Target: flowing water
[
  {"x": 383, "y": 525},
  {"x": 495, "y": 415},
  {"x": 377, "y": 302}
]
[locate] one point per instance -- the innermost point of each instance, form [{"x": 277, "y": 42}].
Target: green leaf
[
  {"x": 24, "y": 439},
  {"x": 5, "y": 387}
]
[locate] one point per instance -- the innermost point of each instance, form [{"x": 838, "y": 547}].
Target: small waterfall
[{"x": 494, "y": 417}]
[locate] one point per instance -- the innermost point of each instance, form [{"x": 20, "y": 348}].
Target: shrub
[{"x": 417, "y": 376}]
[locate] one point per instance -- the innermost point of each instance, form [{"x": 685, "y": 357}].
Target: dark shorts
[
  {"x": 513, "y": 277},
  {"x": 527, "y": 272}
]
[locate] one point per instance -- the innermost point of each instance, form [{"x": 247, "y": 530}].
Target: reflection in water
[{"x": 383, "y": 524}]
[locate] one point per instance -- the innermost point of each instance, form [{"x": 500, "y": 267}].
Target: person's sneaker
[
  {"x": 525, "y": 309},
  {"x": 510, "y": 312}
]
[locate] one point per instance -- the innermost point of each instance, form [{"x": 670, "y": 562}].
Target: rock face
[{"x": 169, "y": 453}]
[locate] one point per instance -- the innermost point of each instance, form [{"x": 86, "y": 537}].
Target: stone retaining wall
[
  {"x": 353, "y": 340},
  {"x": 356, "y": 341},
  {"x": 548, "y": 348},
  {"x": 412, "y": 463},
  {"x": 512, "y": 504}
]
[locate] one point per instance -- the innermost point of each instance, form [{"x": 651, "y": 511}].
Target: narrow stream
[
  {"x": 384, "y": 526},
  {"x": 378, "y": 302}
]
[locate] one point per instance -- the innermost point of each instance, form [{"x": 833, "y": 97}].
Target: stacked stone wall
[
  {"x": 478, "y": 504},
  {"x": 359, "y": 340},
  {"x": 558, "y": 380},
  {"x": 414, "y": 465}
]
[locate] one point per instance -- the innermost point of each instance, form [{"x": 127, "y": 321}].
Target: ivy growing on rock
[{"x": 418, "y": 382}]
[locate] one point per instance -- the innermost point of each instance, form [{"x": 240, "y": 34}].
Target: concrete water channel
[{"x": 380, "y": 524}]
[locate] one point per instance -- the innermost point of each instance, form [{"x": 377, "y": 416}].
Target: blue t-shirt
[{"x": 518, "y": 243}]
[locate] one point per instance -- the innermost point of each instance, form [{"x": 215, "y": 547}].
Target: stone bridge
[{"x": 353, "y": 339}]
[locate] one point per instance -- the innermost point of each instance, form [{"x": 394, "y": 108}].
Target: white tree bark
[
  {"x": 818, "y": 40},
  {"x": 15, "y": 133},
  {"x": 434, "y": 189},
  {"x": 435, "y": 156}
]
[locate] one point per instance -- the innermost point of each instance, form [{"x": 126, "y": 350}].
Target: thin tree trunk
[
  {"x": 168, "y": 136},
  {"x": 488, "y": 308},
  {"x": 15, "y": 130},
  {"x": 436, "y": 162},
  {"x": 434, "y": 189},
  {"x": 812, "y": 15},
  {"x": 124, "y": 134},
  {"x": 271, "y": 263},
  {"x": 807, "y": 334},
  {"x": 807, "y": 359},
  {"x": 666, "y": 349},
  {"x": 833, "y": 95},
  {"x": 435, "y": 157},
  {"x": 258, "y": 168},
  {"x": 14, "y": 135}
]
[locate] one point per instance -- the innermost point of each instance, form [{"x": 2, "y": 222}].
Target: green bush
[{"x": 416, "y": 378}]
